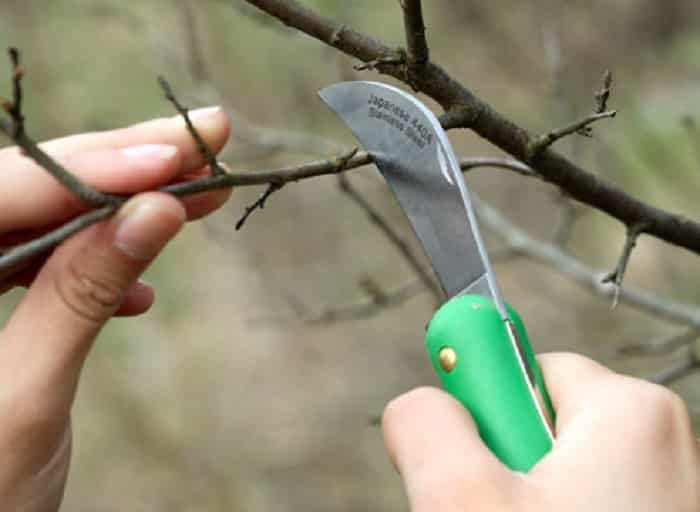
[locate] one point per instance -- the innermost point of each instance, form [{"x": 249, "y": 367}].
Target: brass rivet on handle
[{"x": 448, "y": 359}]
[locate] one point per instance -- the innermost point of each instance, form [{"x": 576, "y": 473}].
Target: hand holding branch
[{"x": 88, "y": 279}]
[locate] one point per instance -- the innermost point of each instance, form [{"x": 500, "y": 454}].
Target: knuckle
[{"x": 92, "y": 298}]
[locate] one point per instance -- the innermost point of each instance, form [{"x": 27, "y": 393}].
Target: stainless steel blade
[{"x": 416, "y": 158}]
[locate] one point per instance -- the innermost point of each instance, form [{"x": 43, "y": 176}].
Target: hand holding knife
[{"x": 477, "y": 344}]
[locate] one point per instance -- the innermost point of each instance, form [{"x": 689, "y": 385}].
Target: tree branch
[
  {"x": 520, "y": 243},
  {"x": 617, "y": 275},
  {"x": 541, "y": 142},
  {"x": 417, "y": 54},
  {"x": 258, "y": 204},
  {"x": 208, "y": 154},
  {"x": 11, "y": 257},
  {"x": 603, "y": 94},
  {"x": 15, "y": 129},
  {"x": 339, "y": 164},
  {"x": 15, "y": 107},
  {"x": 552, "y": 256},
  {"x": 465, "y": 110}
]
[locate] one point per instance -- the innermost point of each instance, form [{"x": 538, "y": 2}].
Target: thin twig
[
  {"x": 15, "y": 130},
  {"x": 259, "y": 203},
  {"x": 393, "y": 236},
  {"x": 602, "y": 95},
  {"x": 15, "y": 108},
  {"x": 395, "y": 58},
  {"x": 417, "y": 54},
  {"x": 33, "y": 248},
  {"x": 616, "y": 276},
  {"x": 71, "y": 182},
  {"x": 567, "y": 265},
  {"x": 541, "y": 142},
  {"x": 208, "y": 154}
]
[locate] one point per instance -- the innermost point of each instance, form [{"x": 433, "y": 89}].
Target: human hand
[
  {"x": 87, "y": 280},
  {"x": 622, "y": 444}
]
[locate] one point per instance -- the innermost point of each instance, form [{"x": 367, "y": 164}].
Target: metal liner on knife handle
[{"x": 477, "y": 344}]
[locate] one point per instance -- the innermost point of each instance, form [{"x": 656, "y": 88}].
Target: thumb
[
  {"x": 45, "y": 342},
  {"x": 434, "y": 444}
]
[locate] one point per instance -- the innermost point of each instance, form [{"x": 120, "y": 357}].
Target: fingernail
[
  {"x": 159, "y": 151},
  {"x": 202, "y": 113},
  {"x": 140, "y": 232}
]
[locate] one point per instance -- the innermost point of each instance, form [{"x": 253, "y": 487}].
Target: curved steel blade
[{"x": 415, "y": 157}]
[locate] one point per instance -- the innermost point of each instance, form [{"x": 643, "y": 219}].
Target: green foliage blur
[{"x": 222, "y": 397}]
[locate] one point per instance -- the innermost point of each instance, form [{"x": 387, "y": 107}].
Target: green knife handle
[{"x": 486, "y": 375}]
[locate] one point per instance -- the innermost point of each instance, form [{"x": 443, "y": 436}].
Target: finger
[
  {"x": 571, "y": 379},
  {"x": 434, "y": 444},
  {"x": 212, "y": 124},
  {"x": 117, "y": 171},
  {"x": 23, "y": 174},
  {"x": 137, "y": 300},
  {"x": 81, "y": 286},
  {"x": 23, "y": 274}
]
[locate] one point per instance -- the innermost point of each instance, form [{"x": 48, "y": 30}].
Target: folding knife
[{"x": 477, "y": 343}]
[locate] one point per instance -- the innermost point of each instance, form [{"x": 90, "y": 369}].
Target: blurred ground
[{"x": 221, "y": 398}]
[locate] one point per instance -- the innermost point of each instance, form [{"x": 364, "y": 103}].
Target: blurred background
[{"x": 239, "y": 390}]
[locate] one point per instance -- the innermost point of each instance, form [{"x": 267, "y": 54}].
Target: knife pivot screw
[{"x": 447, "y": 358}]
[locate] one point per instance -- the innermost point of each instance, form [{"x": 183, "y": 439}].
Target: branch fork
[
  {"x": 581, "y": 126},
  {"x": 616, "y": 276}
]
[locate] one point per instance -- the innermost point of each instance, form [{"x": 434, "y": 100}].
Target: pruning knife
[{"x": 477, "y": 343}]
